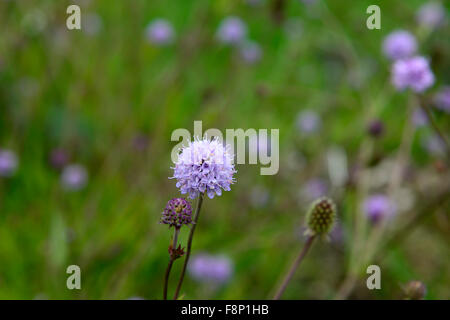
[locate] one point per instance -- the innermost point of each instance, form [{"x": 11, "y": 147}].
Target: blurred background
[{"x": 85, "y": 126}]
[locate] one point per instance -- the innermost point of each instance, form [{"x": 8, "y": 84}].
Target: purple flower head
[
  {"x": 232, "y": 30},
  {"x": 378, "y": 207},
  {"x": 314, "y": 188},
  {"x": 58, "y": 158},
  {"x": 419, "y": 117},
  {"x": 177, "y": 212},
  {"x": 210, "y": 268},
  {"x": 399, "y": 44},
  {"x": 413, "y": 73},
  {"x": 205, "y": 166},
  {"x": 160, "y": 32},
  {"x": 308, "y": 121},
  {"x": 442, "y": 99},
  {"x": 8, "y": 163},
  {"x": 431, "y": 15},
  {"x": 376, "y": 128},
  {"x": 74, "y": 177},
  {"x": 140, "y": 142},
  {"x": 250, "y": 52}
]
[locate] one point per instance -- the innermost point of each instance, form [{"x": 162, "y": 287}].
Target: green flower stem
[{"x": 294, "y": 267}]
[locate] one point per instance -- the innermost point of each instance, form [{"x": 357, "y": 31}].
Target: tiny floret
[
  {"x": 178, "y": 212},
  {"x": 321, "y": 216},
  {"x": 205, "y": 166},
  {"x": 399, "y": 44},
  {"x": 413, "y": 73},
  {"x": 232, "y": 30}
]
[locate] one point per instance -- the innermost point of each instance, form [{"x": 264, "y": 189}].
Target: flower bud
[
  {"x": 178, "y": 212},
  {"x": 321, "y": 216},
  {"x": 415, "y": 290}
]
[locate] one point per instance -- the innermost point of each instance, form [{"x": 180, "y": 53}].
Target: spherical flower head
[
  {"x": 434, "y": 145},
  {"x": 442, "y": 99},
  {"x": 160, "y": 32},
  {"x": 205, "y": 166},
  {"x": 399, "y": 44},
  {"x": 431, "y": 15},
  {"x": 321, "y": 216},
  {"x": 210, "y": 268},
  {"x": 232, "y": 30},
  {"x": 308, "y": 121},
  {"x": 250, "y": 52},
  {"x": 178, "y": 212},
  {"x": 415, "y": 290},
  {"x": 8, "y": 163},
  {"x": 413, "y": 73},
  {"x": 378, "y": 207},
  {"x": 74, "y": 177}
]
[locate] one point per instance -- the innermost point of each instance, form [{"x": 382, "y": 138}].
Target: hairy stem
[
  {"x": 189, "y": 246},
  {"x": 294, "y": 267},
  {"x": 169, "y": 266}
]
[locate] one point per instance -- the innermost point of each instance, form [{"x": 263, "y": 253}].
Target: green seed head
[{"x": 321, "y": 216}]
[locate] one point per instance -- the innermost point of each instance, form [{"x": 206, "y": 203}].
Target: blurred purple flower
[
  {"x": 399, "y": 44},
  {"x": 378, "y": 207},
  {"x": 205, "y": 166},
  {"x": 376, "y": 128},
  {"x": 160, "y": 32},
  {"x": 308, "y": 121},
  {"x": 442, "y": 99},
  {"x": 250, "y": 52},
  {"x": 209, "y": 268},
  {"x": 414, "y": 73},
  {"x": 74, "y": 177},
  {"x": 232, "y": 30},
  {"x": 431, "y": 15},
  {"x": 314, "y": 188},
  {"x": 419, "y": 117},
  {"x": 58, "y": 158},
  {"x": 8, "y": 163},
  {"x": 434, "y": 145},
  {"x": 140, "y": 142}
]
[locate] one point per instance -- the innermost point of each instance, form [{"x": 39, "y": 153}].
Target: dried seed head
[
  {"x": 178, "y": 212},
  {"x": 415, "y": 290},
  {"x": 321, "y": 216}
]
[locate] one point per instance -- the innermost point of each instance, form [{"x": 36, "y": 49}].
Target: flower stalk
[
  {"x": 294, "y": 267},
  {"x": 189, "y": 245},
  {"x": 173, "y": 257}
]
